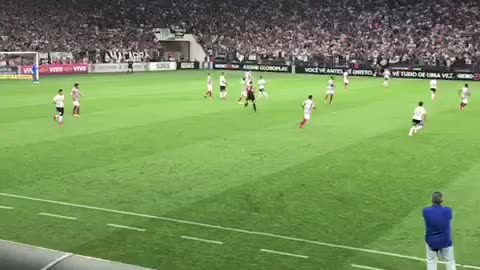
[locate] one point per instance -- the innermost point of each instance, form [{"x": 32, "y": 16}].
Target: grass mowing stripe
[
  {"x": 201, "y": 240},
  {"x": 221, "y": 228},
  {"x": 284, "y": 253},
  {"x": 56, "y": 261},
  {"x": 126, "y": 227},
  {"x": 57, "y": 216},
  {"x": 365, "y": 267}
]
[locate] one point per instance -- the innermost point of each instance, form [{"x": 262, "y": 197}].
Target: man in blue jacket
[{"x": 438, "y": 233}]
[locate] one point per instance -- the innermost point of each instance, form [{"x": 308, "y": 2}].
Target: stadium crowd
[{"x": 439, "y": 32}]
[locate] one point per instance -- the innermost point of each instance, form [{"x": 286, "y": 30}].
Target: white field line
[
  {"x": 6, "y": 207},
  {"x": 365, "y": 267},
  {"x": 56, "y": 261},
  {"x": 180, "y": 221},
  {"x": 57, "y": 216},
  {"x": 126, "y": 227},
  {"x": 284, "y": 253},
  {"x": 201, "y": 240}
]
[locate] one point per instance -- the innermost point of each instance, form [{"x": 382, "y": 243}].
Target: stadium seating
[{"x": 440, "y": 33}]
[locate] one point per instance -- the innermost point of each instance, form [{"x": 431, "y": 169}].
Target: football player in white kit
[
  {"x": 464, "y": 94},
  {"x": 243, "y": 87},
  {"x": 330, "y": 91},
  {"x": 209, "y": 86},
  {"x": 419, "y": 116},
  {"x": 261, "y": 88},
  {"x": 345, "y": 79},
  {"x": 249, "y": 76},
  {"x": 59, "y": 101},
  {"x": 76, "y": 94},
  {"x": 433, "y": 89},
  {"x": 307, "y": 106},
  {"x": 386, "y": 77},
  {"x": 223, "y": 87}
]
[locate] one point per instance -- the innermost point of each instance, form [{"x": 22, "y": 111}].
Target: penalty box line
[{"x": 205, "y": 225}]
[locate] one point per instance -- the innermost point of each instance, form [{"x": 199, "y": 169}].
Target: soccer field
[{"x": 205, "y": 184}]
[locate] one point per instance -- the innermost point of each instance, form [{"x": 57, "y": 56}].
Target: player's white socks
[
  {"x": 265, "y": 94},
  {"x": 433, "y": 96},
  {"x": 385, "y": 84},
  {"x": 60, "y": 118},
  {"x": 418, "y": 128},
  {"x": 411, "y": 131}
]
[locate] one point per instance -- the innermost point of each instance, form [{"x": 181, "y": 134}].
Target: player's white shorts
[
  {"x": 76, "y": 103},
  {"x": 210, "y": 88},
  {"x": 465, "y": 100},
  {"x": 306, "y": 116},
  {"x": 346, "y": 82},
  {"x": 330, "y": 92},
  {"x": 243, "y": 93}
]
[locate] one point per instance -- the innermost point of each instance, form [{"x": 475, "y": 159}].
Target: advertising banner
[
  {"x": 440, "y": 75},
  {"x": 57, "y": 69},
  {"x": 188, "y": 65},
  {"x": 111, "y": 68},
  {"x": 411, "y": 74},
  {"x": 226, "y": 66},
  {"x": 334, "y": 71},
  {"x": 8, "y": 70},
  {"x": 15, "y": 77},
  {"x": 162, "y": 66},
  {"x": 253, "y": 67}
]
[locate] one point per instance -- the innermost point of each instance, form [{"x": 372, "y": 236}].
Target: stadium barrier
[
  {"x": 162, "y": 66},
  {"x": 112, "y": 68},
  {"x": 56, "y": 69}
]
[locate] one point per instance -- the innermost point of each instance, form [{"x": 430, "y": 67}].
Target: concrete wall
[{"x": 16, "y": 256}]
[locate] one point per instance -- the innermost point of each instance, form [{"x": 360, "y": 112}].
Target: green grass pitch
[{"x": 149, "y": 143}]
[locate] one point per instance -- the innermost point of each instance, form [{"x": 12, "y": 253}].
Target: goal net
[{"x": 19, "y": 66}]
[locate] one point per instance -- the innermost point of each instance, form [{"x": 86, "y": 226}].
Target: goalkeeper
[{"x": 34, "y": 73}]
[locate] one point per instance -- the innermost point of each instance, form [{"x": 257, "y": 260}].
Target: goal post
[{"x": 33, "y": 60}]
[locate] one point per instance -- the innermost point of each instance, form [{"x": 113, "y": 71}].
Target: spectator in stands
[{"x": 413, "y": 31}]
